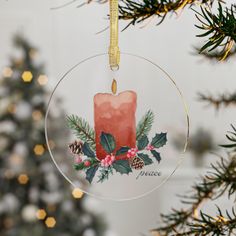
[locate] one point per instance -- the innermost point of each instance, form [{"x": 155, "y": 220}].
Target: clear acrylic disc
[{"x": 121, "y": 127}]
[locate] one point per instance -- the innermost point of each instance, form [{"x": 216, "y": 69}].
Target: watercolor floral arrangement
[{"x": 118, "y": 159}]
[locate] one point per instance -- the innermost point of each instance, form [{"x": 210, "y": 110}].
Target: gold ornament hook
[{"x": 114, "y": 52}]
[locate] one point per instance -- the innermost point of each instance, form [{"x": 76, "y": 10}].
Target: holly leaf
[
  {"x": 122, "y": 166},
  {"x": 122, "y": 150},
  {"x": 108, "y": 142},
  {"x": 145, "y": 158},
  {"x": 90, "y": 173},
  {"x": 79, "y": 166},
  {"x": 87, "y": 150},
  {"x": 156, "y": 155},
  {"x": 159, "y": 140},
  {"x": 143, "y": 142}
]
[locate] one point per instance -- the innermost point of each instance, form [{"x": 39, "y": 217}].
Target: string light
[
  {"x": 23, "y": 179},
  {"x": 39, "y": 149},
  {"x": 42, "y": 79},
  {"x": 7, "y": 72},
  {"x": 37, "y": 115},
  {"x": 41, "y": 214},
  {"x": 77, "y": 193},
  {"x": 50, "y": 222},
  {"x": 27, "y": 76}
]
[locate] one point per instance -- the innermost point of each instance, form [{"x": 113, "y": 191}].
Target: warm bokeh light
[
  {"x": 16, "y": 159},
  {"x": 77, "y": 193},
  {"x": 7, "y": 72},
  {"x": 50, "y": 222},
  {"x": 11, "y": 108},
  {"x": 27, "y": 76},
  {"x": 39, "y": 149},
  {"x": 37, "y": 115},
  {"x": 23, "y": 179},
  {"x": 41, "y": 214},
  {"x": 42, "y": 79}
]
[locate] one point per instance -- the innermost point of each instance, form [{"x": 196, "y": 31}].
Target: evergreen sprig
[
  {"x": 145, "y": 124},
  {"x": 213, "y": 185},
  {"x": 139, "y": 11},
  {"x": 231, "y": 136},
  {"x": 82, "y": 129},
  {"x": 219, "y": 27},
  {"x": 104, "y": 174},
  {"x": 223, "y": 100}
]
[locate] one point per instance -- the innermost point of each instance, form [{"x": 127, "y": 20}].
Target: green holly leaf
[
  {"x": 108, "y": 142},
  {"x": 90, "y": 173},
  {"x": 145, "y": 158},
  {"x": 79, "y": 166},
  {"x": 87, "y": 150},
  {"x": 122, "y": 166},
  {"x": 156, "y": 155},
  {"x": 159, "y": 140},
  {"x": 143, "y": 142},
  {"x": 122, "y": 150}
]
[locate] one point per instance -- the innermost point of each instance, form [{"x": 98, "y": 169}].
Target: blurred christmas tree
[{"x": 34, "y": 198}]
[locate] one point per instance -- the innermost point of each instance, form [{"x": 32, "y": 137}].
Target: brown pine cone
[{"x": 76, "y": 147}]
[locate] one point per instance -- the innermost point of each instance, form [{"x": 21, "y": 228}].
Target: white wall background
[{"x": 67, "y": 36}]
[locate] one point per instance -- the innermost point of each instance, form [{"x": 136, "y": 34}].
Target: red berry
[{"x": 87, "y": 163}]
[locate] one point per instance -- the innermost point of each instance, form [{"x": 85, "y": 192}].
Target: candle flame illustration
[{"x": 114, "y": 86}]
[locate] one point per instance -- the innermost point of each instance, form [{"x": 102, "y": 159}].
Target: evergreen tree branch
[
  {"x": 212, "y": 186},
  {"x": 220, "y": 29},
  {"x": 138, "y": 11},
  {"x": 145, "y": 124},
  {"x": 82, "y": 129},
  {"x": 223, "y": 100}
]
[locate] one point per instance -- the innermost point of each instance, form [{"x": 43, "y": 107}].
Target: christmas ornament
[{"x": 122, "y": 116}]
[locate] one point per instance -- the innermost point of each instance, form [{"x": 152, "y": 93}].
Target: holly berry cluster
[{"x": 136, "y": 157}]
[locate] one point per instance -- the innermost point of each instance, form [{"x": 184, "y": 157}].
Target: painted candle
[{"x": 115, "y": 114}]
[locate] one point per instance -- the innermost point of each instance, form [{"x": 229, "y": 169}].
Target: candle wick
[{"x": 114, "y": 87}]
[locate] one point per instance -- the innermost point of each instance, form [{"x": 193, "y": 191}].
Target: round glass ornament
[{"x": 121, "y": 126}]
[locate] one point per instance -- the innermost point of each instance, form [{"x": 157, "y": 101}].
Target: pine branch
[
  {"x": 231, "y": 136},
  {"x": 82, "y": 129},
  {"x": 104, "y": 174},
  {"x": 216, "y": 55},
  {"x": 212, "y": 186},
  {"x": 220, "y": 29},
  {"x": 145, "y": 124},
  {"x": 139, "y": 11},
  {"x": 220, "y": 101}
]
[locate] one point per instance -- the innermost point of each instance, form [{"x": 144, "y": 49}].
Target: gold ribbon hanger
[{"x": 114, "y": 52}]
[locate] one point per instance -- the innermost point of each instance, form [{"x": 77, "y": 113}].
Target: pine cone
[
  {"x": 137, "y": 163},
  {"x": 76, "y": 147}
]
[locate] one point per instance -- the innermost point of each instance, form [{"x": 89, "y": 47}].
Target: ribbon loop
[{"x": 114, "y": 51}]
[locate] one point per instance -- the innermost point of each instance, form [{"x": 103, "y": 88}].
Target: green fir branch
[
  {"x": 212, "y": 186},
  {"x": 139, "y": 11},
  {"x": 145, "y": 124},
  {"x": 104, "y": 174},
  {"x": 220, "y": 28},
  {"x": 82, "y": 129},
  {"x": 222, "y": 100}
]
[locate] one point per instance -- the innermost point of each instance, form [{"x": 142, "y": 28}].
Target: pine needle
[
  {"x": 82, "y": 129},
  {"x": 145, "y": 124}
]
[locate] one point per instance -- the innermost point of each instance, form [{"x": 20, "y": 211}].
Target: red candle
[{"x": 115, "y": 114}]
